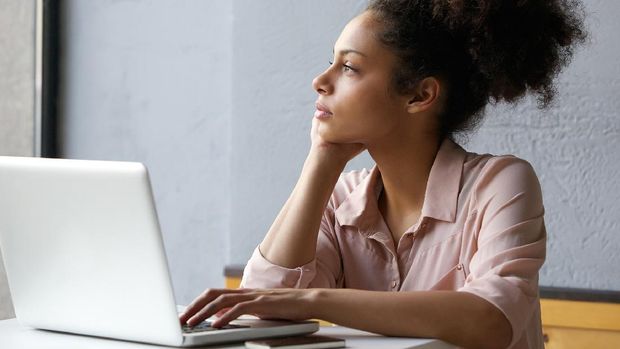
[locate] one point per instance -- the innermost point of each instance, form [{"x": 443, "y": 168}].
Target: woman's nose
[{"x": 321, "y": 84}]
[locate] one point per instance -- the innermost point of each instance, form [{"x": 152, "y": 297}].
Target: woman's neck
[{"x": 405, "y": 164}]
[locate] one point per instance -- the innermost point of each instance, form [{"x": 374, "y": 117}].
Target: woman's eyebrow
[{"x": 346, "y": 51}]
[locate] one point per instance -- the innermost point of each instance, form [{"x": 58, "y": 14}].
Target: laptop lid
[
  {"x": 83, "y": 254},
  {"x": 83, "y": 250}
]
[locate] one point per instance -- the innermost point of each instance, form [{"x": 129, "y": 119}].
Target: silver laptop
[{"x": 84, "y": 254}]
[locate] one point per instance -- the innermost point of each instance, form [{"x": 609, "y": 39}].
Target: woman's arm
[
  {"x": 461, "y": 318},
  {"x": 291, "y": 241}
]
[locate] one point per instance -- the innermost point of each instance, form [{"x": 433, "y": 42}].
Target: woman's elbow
[
  {"x": 488, "y": 327},
  {"x": 498, "y": 331}
]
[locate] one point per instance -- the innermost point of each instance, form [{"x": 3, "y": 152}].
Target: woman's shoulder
[
  {"x": 486, "y": 162},
  {"x": 494, "y": 176}
]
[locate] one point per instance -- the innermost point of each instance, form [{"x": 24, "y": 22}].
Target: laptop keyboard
[{"x": 206, "y": 326}]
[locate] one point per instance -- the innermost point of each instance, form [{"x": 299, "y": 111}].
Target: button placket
[{"x": 395, "y": 275}]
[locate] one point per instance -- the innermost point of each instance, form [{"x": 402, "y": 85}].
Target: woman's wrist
[
  {"x": 326, "y": 161},
  {"x": 316, "y": 304},
  {"x": 322, "y": 173}
]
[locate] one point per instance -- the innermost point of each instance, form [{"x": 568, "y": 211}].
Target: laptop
[{"x": 84, "y": 254}]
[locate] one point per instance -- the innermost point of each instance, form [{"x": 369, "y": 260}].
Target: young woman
[{"x": 433, "y": 241}]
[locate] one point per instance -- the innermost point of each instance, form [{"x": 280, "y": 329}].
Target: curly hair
[{"x": 483, "y": 50}]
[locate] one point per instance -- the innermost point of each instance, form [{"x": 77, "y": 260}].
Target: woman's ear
[{"x": 425, "y": 96}]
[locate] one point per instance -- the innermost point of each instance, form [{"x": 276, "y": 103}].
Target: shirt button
[
  {"x": 394, "y": 283},
  {"x": 459, "y": 267}
]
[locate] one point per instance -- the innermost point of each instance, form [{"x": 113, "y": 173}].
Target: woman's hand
[
  {"x": 229, "y": 304},
  {"x": 339, "y": 152}
]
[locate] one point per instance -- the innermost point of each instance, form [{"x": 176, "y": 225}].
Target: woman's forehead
[{"x": 359, "y": 35}]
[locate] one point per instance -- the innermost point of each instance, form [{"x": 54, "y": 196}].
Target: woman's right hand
[{"x": 340, "y": 153}]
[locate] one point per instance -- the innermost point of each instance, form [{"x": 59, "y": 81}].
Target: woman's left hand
[{"x": 229, "y": 304}]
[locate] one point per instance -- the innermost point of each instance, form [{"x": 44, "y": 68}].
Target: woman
[{"x": 433, "y": 241}]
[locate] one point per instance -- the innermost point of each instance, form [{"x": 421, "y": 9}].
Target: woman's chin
[{"x": 331, "y": 137}]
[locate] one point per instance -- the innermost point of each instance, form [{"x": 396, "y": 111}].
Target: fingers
[
  {"x": 247, "y": 307},
  {"x": 221, "y": 312},
  {"x": 230, "y": 304},
  {"x": 223, "y": 301},
  {"x": 198, "y": 303},
  {"x": 205, "y": 298}
]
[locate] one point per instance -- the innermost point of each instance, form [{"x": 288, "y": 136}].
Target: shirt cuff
[
  {"x": 517, "y": 305},
  {"x": 261, "y": 273}
]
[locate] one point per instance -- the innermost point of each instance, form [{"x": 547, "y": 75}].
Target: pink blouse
[{"x": 481, "y": 231}]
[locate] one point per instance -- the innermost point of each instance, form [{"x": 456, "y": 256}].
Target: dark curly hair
[{"x": 483, "y": 50}]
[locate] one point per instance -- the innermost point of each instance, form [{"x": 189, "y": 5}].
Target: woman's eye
[{"x": 345, "y": 67}]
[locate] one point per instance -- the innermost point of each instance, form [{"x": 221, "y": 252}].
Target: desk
[{"x": 14, "y": 336}]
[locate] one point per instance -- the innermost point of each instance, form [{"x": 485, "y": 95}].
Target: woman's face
[{"x": 355, "y": 104}]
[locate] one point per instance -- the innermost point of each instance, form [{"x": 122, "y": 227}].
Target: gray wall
[
  {"x": 215, "y": 98},
  {"x": 17, "y": 52},
  {"x": 150, "y": 81}
]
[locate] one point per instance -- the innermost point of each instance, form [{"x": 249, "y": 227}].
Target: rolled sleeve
[
  {"x": 511, "y": 242},
  {"x": 323, "y": 271},
  {"x": 261, "y": 273}
]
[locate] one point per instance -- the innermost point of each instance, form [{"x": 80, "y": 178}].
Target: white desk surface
[{"x": 15, "y": 336}]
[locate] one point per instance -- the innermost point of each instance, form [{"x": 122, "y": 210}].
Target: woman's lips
[{"x": 322, "y": 112}]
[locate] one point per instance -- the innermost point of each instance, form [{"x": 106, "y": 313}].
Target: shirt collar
[
  {"x": 360, "y": 208},
  {"x": 444, "y": 182}
]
